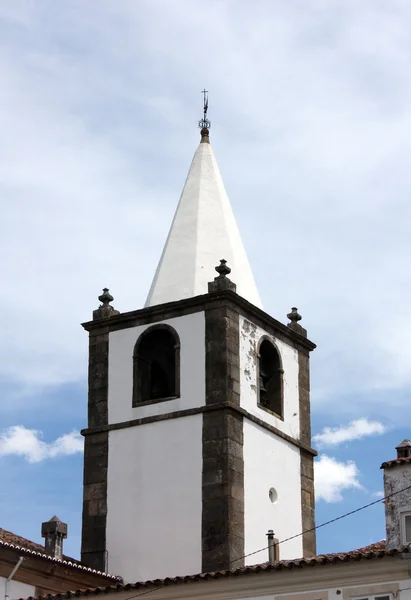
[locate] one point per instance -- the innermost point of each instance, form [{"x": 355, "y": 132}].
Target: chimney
[
  {"x": 55, "y": 532},
  {"x": 404, "y": 449},
  {"x": 397, "y": 477},
  {"x": 273, "y": 550}
]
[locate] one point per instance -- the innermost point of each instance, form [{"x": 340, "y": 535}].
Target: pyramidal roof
[{"x": 203, "y": 232}]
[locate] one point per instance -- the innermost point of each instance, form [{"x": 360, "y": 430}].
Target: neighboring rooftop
[
  {"x": 376, "y": 550},
  {"x": 18, "y": 540},
  {"x": 27, "y": 547},
  {"x": 403, "y": 455},
  {"x": 396, "y": 461}
]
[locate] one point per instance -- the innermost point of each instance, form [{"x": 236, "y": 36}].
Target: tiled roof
[
  {"x": 396, "y": 461},
  {"x": 377, "y": 550},
  {"x": 27, "y": 547},
  {"x": 17, "y": 540},
  {"x": 381, "y": 545},
  {"x": 404, "y": 444}
]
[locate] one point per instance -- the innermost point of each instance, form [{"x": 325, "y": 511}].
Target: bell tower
[{"x": 198, "y": 438}]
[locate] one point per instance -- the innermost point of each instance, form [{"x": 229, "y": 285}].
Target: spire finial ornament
[
  {"x": 104, "y": 311},
  {"x": 105, "y": 298},
  {"x": 205, "y": 124},
  {"x": 221, "y": 282},
  {"x": 294, "y": 317},
  {"x": 222, "y": 268}
]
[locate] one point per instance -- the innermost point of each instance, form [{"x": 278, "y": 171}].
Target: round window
[{"x": 272, "y": 494}]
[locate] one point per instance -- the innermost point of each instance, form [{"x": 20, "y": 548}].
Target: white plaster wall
[
  {"x": 396, "y": 478},
  {"x": 340, "y": 592},
  {"x": 250, "y": 335},
  {"x": 191, "y": 329},
  {"x": 154, "y": 499},
  {"x": 405, "y": 593},
  {"x": 270, "y": 461},
  {"x": 16, "y": 589}
]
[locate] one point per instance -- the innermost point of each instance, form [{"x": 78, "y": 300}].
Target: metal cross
[
  {"x": 204, "y": 123},
  {"x": 205, "y": 102}
]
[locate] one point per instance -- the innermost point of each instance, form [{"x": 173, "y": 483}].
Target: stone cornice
[
  {"x": 195, "y": 411},
  {"x": 160, "y": 312}
]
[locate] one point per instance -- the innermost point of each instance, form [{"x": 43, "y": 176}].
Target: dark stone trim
[
  {"x": 93, "y": 541},
  {"x": 228, "y": 298},
  {"x": 222, "y": 347},
  {"x": 137, "y": 383},
  {"x": 308, "y": 503},
  {"x": 177, "y": 414},
  {"x": 195, "y": 411},
  {"x": 271, "y": 412},
  {"x": 306, "y": 459},
  {"x": 277, "y": 432},
  {"x": 304, "y": 397},
  {"x": 222, "y": 491},
  {"x": 93, "y": 537},
  {"x": 223, "y": 463},
  {"x": 150, "y": 402}
]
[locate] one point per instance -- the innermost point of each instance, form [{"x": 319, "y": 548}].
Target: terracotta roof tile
[
  {"x": 377, "y": 550},
  {"x": 404, "y": 444},
  {"x": 396, "y": 461},
  {"x": 22, "y": 542},
  {"x": 17, "y": 540},
  {"x": 381, "y": 545},
  {"x": 27, "y": 547}
]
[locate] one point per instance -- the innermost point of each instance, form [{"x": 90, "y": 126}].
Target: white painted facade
[
  {"x": 16, "y": 589},
  {"x": 396, "y": 479},
  {"x": 203, "y": 232},
  {"x": 250, "y": 335},
  {"x": 270, "y": 463},
  {"x": 154, "y": 499},
  {"x": 191, "y": 330},
  {"x": 154, "y": 523}
]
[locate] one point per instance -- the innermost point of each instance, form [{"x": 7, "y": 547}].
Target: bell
[
  {"x": 262, "y": 383},
  {"x": 263, "y": 378}
]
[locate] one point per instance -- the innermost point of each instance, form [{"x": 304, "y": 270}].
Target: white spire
[{"x": 203, "y": 232}]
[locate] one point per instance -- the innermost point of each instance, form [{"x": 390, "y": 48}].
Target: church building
[
  {"x": 198, "y": 464},
  {"x": 198, "y": 441}
]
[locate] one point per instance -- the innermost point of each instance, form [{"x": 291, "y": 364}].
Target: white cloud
[
  {"x": 333, "y": 436},
  {"x": 378, "y": 494},
  {"x": 28, "y": 443},
  {"x": 333, "y": 477}
]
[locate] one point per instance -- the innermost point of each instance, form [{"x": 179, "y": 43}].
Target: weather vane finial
[{"x": 204, "y": 123}]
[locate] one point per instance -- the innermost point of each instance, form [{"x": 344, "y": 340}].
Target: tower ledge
[{"x": 177, "y": 308}]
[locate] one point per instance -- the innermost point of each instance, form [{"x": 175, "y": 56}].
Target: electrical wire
[{"x": 351, "y": 512}]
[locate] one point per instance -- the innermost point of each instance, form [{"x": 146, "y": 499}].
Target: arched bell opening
[
  {"x": 270, "y": 379},
  {"x": 156, "y": 365}
]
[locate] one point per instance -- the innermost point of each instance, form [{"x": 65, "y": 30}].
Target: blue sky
[{"x": 310, "y": 110}]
